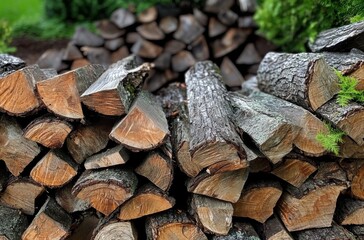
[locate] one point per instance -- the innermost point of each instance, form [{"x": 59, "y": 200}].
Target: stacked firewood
[{"x": 173, "y": 39}]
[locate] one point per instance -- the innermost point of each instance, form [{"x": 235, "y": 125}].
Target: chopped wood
[
  {"x": 50, "y": 132},
  {"x": 240, "y": 230},
  {"x": 341, "y": 39},
  {"x": 89, "y": 139},
  {"x": 200, "y": 16},
  {"x": 132, "y": 37},
  {"x": 105, "y": 189},
  {"x": 172, "y": 224},
  {"x": 357, "y": 187},
  {"x": 231, "y": 40},
  {"x": 17, "y": 91},
  {"x": 9, "y": 64},
  {"x": 248, "y": 5},
  {"x": 115, "y": 89},
  {"x": 145, "y": 126},
  {"x": 158, "y": 169},
  {"x": 328, "y": 233},
  {"x": 61, "y": 94},
  {"x": 122, "y": 18},
  {"x": 212, "y": 215},
  {"x": 163, "y": 62},
  {"x": 13, "y": 223},
  {"x": 148, "y": 15},
  {"x": 213, "y": 6},
  {"x": 55, "y": 169},
  {"x": 215, "y": 27},
  {"x": 108, "y": 30},
  {"x": 97, "y": 55},
  {"x": 4, "y": 175},
  {"x": 303, "y": 78},
  {"x": 358, "y": 230},
  {"x": 53, "y": 58},
  {"x": 226, "y": 186},
  {"x": 227, "y": 17},
  {"x": 230, "y": 74},
  {"x": 116, "y": 230},
  {"x": 182, "y": 61},
  {"x": 200, "y": 49},
  {"x": 146, "y": 49},
  {"x": 249, "y": 55},
  {"x": 189, "y": 29},
  {"x": 51, "y": 222},
  {"x": 148, "y": 200},
  {"x": 68, "y": 201},
  {"x": 150, "y": 31},
  {"x": 155, "y": 81},
  {"x": 85, "y": 228},
  {"x": 83, "y": 37},
  {"x": 71, "y": 52},
  {"x": 21, "y": 193},
  {"x": 247, "y": 22},
  {"x": 257, "y": 161},
  {"x": 258, "y": 200},
  {"x": 174, "y": 46},
  {"x": 49, "y": 72},
  {"x": 79, "y": 63},
  {"x": 15, "y": 150},
  {"x": 114, "y": 44},
  {"x": 350, "y": 212},
  {"x": 213, "y": 136},
  {"x": 273, "y": 229},
  {"x": 115, "y": 156},
  {"x": 119, "y": 54},
  {"x": 168, "y": 24}
]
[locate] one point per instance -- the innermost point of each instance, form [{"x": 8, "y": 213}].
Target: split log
[
  {"x": 115, "y": 89},
  {"x": 273, "y": 229},
  {"x": 200, "y": 49},
  {"x": 163, "y": 62},
  {"x": 357, "y": 188},
  {"x": 168, "y": 24},
  {"x": 240, "y": 230},
  {"x": 61, "y": 94},
  {"x": 272, "y": 135},
  {"x": 17, "y": 91},
  {"x": 115, "y": 156},
  {"x": 21, "y": 193},
  {"x": 295, "y": 169},
  {"x": 132, "y": 37},
  {"x": 155, "y": 81},
  {"x": 49, "y": 72},
  {"x": 53, "y": 58},
  {"x": 15, "y": 150},
  {"x": 54, "y": 170},
  {"x": 182, "y": 61},
  {"x": 200, "y": 16},
  {"x": 231, "y": 40},
  {"x": 87, "y": 140},
  {"x": 227, "y": 17},
  {"x": 350, "y": 212},
  {"x": 13, "y": 223},
  {"x": 304, "y": 78},
  {"x": 122, "y": 18},
  {"x": 172, "y": 224},
  {"x": 341, "y": 39},
  {"x": 144, "y": 128},
  {"x": 120, "y": 54},
  {"x": 146, "y": 49},
  {"x": 9, "y": 64},
  {"x": 247, "y": 22},
  {"x": 71, "y": 52},
  {"x": 230, "y": 74},
  {"x": 148, "y": 200},
  {"x": 79, "y": 63},
  {"x": 68, "y": 201},
  {"x": 150, "y": 31},
  {"x": 213, "y": 6},
  {"x": 83, "y": 37},
  {"x": 51, "y": 222},
  {"x": 189, "y": 29},
  {"x": 50, "y": 132},
  {"x": 257, "y": 161},
  {"x": 212, "y": 215},
  {"x": 358, "y": 230},
  {"x": 226, "y": 186},
  {"x": 329, "y": 233},
  {"x": 4, "y": 176},
  {"x": 174, "y": 46},
  {"x": 106, "y": 189},
  {"x": 248, "y": 5},
  {"x": 115, "y": 229},
  {"x": 213, "y": 136},
  {"x": 258, "y": 200},
  {"x": 158, "y": 169},
  {"x": 85, "y": 228},
  {"x": 114, "y": 44},
  {"x": 108, "y": 30},
  {"x": 249, "y": 55},
  {"x": 347, "y": 118},
  {"x": 148, "y": 15},
  {"x": 97, "y": 55},
  {"x": 215, "y": 27}
]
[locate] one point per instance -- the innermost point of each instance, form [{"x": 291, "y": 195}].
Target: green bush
[
  {"x": 5, "y": 38},
  {"x": 292, "y": 23}
]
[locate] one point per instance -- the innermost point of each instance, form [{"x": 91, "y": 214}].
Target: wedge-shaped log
[
  {"x": 144, "y": 128},
  {"x": 105, "y": 189},
  {"x": 9, "y": 64},
  {"x": 83, "y": 37},
  {"x": 350, "y": 149},
  {"x": 13, "y": 225},
  {"x": 350, "y": 211},
  {"x": 51, "y": 222},
  {"x": 240, "y": 230},
  {"x": 147, "y": 200},
  {"x": 15, "y": 150},
  {"x": 249, "y": 55},
  {"x": 230, "y": 74},
  {"x": 68, "y": 201},
  {"x": 168, "y": 24},
  {"x": 54, "y": 170},
  {"x": 182, "y": 61},
  {"x": 329, "y": 233},
  {"x": 303, "y": 78},
  {"x": 116, "y": 88},
  {"x": 200, "y": 49},
  {"x": 108, "y": 30},
  {"x": 148, "y": 15},
  {"x": 213, "y": 6},
  {"x": 115, "y": 229},
  {"x": 150, "y": 31},
  {"x": 17, "y": 91},
  {"x": 231, "y": 40},
  {"x": 172, "y": 224},
  {"x": 115, "y": 156},
  {"x": 354, "y": 169},
  {"x": 122, "y": 18},
  {"x": 50, "y": 132},
  {"x": 273, "y": 229},
  {"x": 146, "y": 49},
  {"x": 188, "y": 29},
  {"x": 215, "y": 27},
  {"x": 61, "y": 94},
  {"x": 85, "y": 227},
  {"x": 213, "y": 136}
]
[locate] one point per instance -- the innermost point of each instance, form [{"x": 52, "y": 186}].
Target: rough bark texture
[
  {"x": 13, "y": 225},
  {"x": 273, "y": 229},
  {"x": 304, "y": 78},
  {"x": 189, "y": 29},
  {"x": 232, "y": 39},
  {"x": 230, "y": 74},
  {"x": 350, "y": 212},
  {"x": 85, "y": 228},
  {"x": 68, "y": 201},
  {"x": 329, "y": 233},
  {"x": 241, "y": 231},
  {"x": 150, "y": 31},
  {"x": 9, "y": 64},
  {"x": 115, "y": 156}
]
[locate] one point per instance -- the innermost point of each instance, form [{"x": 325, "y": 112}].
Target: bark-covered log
[
  {"x": 83, "y": 37},
  {"x": 215, "y": 27},
  {"x": 9, "y": 64},
  {"x": 13, "y": 223},
  {"x": 350, "y": 212},
  {"x": 115, "y": 229},
  {"x": 146, "y": 201},
  {"x": 144, "y": 128},
  {"x": 328, "y": 233},
  {"x": 115, "y": 156},
  {"x": 341, "y": 39},
  {"x": 189, "y": 29},
  {"x": 213, "y": 136},
  {"x": 230, "y": 74},
  {"x": 21, "y": 193},
  {"x": 15, "y": 150},
  {"x": 231, "y": 40},
  {"x": 273, "y": 229},
  {"x": 68, "y": 201},
  {"x": 122, "y": 18},
  {"x": 108, "y": 30},
  {"x": 85, "y": 227},
  {"x": 51, "y": 222},
  {"x": 304, "y": 78},
  {"x": 150, "y": 31},
  {"x": 241, "y": 231},
  {"x": 148, "y": 15},
  {"x": 106, "y": 189},
  {"x": 50, "y": 132}
]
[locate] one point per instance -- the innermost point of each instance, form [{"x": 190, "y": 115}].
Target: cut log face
[
  {"x": 258, "y": 200},
  {"x": 71, "y": 52},
  {"x": 230, "y": 74},
  {"x": 158, "y": 169},
  {"x": 55, "y": 169},
  {"x": 215, "y": 27},
  {"x": 112, "y": 157},
  {"x": 97, "y": 55},
  {"x": 214, "y": 216},
  {"x": 163, "y": 61},
  {"x": 9, "y": 64},
  {"x": 172, "y": 225},
  {"x": 248, "y": 5},
  {"x": 50, "y": 132},
  {"x": 122, "y": 18},
  {"x": 310, "y": 85},
  {"x": 144, "y": 128},
  {"x": 119, "y": 54},
  {"x": 240, "y": 230},
  {"x": 148, "y": 200},
  {"x": 350, "y": 212},
  {"x": 15, "y": 150},
  {"x": 231, "y": 40},
  {"x": 150, "y": 31},
  {"x": 116, "y": 230},
  {"x": 148, "y": 15},
  {"x": 330, "y": 233},
  {"x": 21, "y": 194},
  {"x": 357, "y": 186},
  {"x": 200, "y": 16},
  {"x": 106, "y": 189},
  {"x": 51, "y": 222},
  {"x": 249, "y": 55},
  {"x": 200, "y": 49},
  {"x": 168, "y": 24},
  {"x": 146, "y": 49},
  {"x": 114, "y": 44},
  {"x": 53, "y": 58},
  {"x": 189, "y": 29},
  {"x": 17, "y": 91},
  {"x": 68, "y": 201},
  {"x": 13, "y": 225},
  {"x": 174, "y": 46},
  {"x": 213, "y": 136},
  {"x": 109, "y": 30},
  {"x": 247, "y": 22},
  {"x": 182, "y": 61},
  {"x": 273, "y": 229},
  {"x": 83, "y": 37}
]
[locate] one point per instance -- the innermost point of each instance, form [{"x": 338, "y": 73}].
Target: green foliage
[
  {"x": 348, "y": 91},
  {"x": 291, "y": 23},
  {"x": 5, "y": 38},
  {"x": 331, "y": 140}
]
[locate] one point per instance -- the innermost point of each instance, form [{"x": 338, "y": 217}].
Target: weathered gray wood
[
  {"x": 146, "y": 49},
  {"x": 200, "y": 49},
  {"x": 148, "y": 15},
  {"x": 248, "y": 5},
  {"x": 189, "y": 29},
  {"x": 68, "y": 201},
  {"x": 249, "y": 55},
  {"x": 97, "y": 55},
  {"x": 72, "y": 52},
  {"x": 53, "y": 58},
  {"x": 329, "y": 233},
  {"x": 9, "y": 64},
  {"x": 182, "y": 61},
  {"x": 200, "y": 16},
  {"x": 108, "y": 30},
  {"x": 304, "y": 78},
  {"x": 83, "y": 37},
  {"x": 241, "y": 231},
  {"x": 13, "y": 223},
  {"x": 227, "y": 17},
  {"x": 115, "y": 229},
  {"x": 231, "y": 75},
  {"x": 273, "y": 229},
  {"x": 122, "y": 18},
  {"x": 168, "y": 24},
  {"x": 114, "y": 44},
  {"x": 213, "y": 6},
  {"x": 231, "y": 40},
  {"x": 350, "y": 211},
  {"x": 215, "y": 27},
  {"x": 150, "y": 31}
]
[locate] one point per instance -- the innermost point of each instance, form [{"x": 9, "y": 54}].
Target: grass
[{"x": 331, "y": 140}]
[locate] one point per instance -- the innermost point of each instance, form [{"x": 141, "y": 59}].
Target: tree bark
[
  {"x": 9, "y": 64},
  {"x": 68, "y": 201},
  {"x": 189, "y": 29},
  {"x": 13, "y": 225},
  {"x": 150, "y": 31},
  {"x": 273, "y": 229},
  {"x": 240, "y": 230},
  {"x": 350, "y": 212},
  {"x": 122, "y": 18},
  {"x": 329, "y": 233}
]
